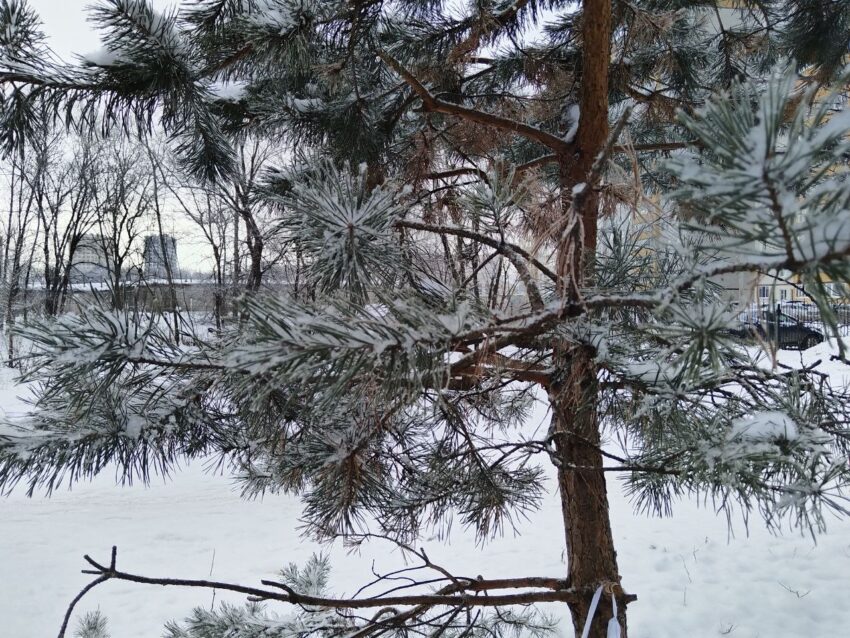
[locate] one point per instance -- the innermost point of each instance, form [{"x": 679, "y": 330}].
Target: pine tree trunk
[{"x": 592, "y": 560}]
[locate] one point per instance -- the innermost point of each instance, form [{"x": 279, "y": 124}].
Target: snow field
[{"x": 692, "y": 578}]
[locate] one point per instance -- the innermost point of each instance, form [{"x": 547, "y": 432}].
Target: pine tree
[
  {"x": 92, "y": 625},
  {"x": 463, "y": 193}
]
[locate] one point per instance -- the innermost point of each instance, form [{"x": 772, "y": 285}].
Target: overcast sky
[{"x": 66, "y": 25}]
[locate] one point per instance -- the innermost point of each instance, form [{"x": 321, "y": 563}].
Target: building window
[
  {"x": 834, "y": 289},
  {"x": 764, "y": 292},
  {"x": 783, "y": 294}
]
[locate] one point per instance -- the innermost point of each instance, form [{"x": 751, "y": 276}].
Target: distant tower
[
  {"x": 154, "y": 263},
  {"x": 89, "y": 264}
]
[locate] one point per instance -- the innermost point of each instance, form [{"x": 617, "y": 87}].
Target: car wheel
[{"x": 810, "y": 342}]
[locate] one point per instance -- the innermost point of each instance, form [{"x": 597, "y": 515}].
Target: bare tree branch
[{"x": 462, "y": 593}]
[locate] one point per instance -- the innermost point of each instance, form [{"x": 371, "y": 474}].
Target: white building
[
  {"x": 154, "y": 266},
  {"x": 89, "y": 264}
]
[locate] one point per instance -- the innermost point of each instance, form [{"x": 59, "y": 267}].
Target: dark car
[{"x": 791, "y": 332}]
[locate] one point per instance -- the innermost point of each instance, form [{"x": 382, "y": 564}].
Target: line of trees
[{"x": 69, "y": 193}]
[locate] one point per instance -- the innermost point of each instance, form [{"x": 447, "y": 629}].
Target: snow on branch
[{"x": 344, "y": 227}]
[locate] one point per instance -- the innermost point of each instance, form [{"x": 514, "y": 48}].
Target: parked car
[{"x": 792, "y": 333}]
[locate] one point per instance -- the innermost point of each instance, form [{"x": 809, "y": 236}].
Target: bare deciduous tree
[{"x": 63, "y": 181}]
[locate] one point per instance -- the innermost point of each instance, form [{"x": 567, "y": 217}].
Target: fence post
[{"x": 776, "y": 323}]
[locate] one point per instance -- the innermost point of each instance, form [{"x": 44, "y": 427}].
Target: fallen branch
[{"x": 462, "y": 593}]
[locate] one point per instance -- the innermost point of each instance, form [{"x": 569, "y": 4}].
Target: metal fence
[{"x": 793, "y": 321}]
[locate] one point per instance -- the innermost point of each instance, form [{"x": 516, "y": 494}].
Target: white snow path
[{"x": 691, "y": 578}]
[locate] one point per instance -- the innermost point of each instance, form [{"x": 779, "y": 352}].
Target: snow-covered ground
[{"x": 691, "y": 577}]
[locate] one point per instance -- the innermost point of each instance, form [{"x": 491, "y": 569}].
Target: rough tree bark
[{"x": 575, "y": 428}]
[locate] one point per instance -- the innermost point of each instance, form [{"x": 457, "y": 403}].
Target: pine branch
[
  {"x": 541, "y": 590},
  {"x": 534, "y": 297},
  {"x": 509, "y": 250},
  {"x": 432, "y": 104},
  {"x": 553, "y": 158},
  {"x": 486, "y": 26}
]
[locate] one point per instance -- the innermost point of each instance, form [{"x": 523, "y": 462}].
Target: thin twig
[{"x": 85, "y": 590}]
